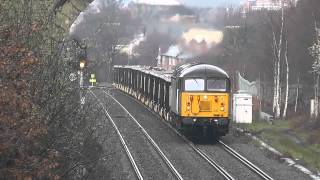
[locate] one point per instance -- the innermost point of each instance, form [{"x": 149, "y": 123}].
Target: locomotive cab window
[
  {"x": 217, "y": 85},
  {"x": 195, "y": 84}
]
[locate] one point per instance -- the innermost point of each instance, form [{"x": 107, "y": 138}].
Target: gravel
[
  {"x": 189, "y": 164},
  {"x": 115, "y": 161},
  {"x": 147, "y": 159},
  {"x": 224, "y": 159},
  {"x": 264, "y": 159}
]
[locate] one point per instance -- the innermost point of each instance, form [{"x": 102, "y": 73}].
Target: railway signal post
[
  {"x": 93, "y": 79},
  {"x": 82, "y": 65}
]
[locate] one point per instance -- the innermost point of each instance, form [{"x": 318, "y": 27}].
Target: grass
[{"x": 287, "y": 140}]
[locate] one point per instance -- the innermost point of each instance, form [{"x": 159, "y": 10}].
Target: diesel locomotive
[{"x": 192, "y": 95}]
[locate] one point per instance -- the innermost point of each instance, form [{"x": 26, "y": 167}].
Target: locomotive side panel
[{"x": 173, "y": 97}]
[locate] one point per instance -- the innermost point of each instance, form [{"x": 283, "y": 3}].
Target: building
[
  {"x": 271, "y": 5},
  {"x": 188, "y": 19},
  {"x": 193, "y": 43},
  {"x": 200, "y": 40},
  {"x": 173, "y": 57},
  {"x": 200, "y": 34}
]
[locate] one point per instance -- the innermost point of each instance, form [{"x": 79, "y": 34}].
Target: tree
[
  {"x": 148, "y": 50},
  {"x": 103, "y": 31},
  {"x": 284, "y": 115},
  {"x": 277, "y": 49},
  {"x": 44, "y": 132},
  {"x": 280, "y": 51},
  {"x": 315, "y": 53},
  {"x": 256, "y": 51}
]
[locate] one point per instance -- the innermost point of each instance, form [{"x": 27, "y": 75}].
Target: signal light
[{"x": 82, "y": 63}]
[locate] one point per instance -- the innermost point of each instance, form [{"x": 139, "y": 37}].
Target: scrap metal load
[
  {"x": 193, "y": 94},
  {"x": 148, "y": 84}
]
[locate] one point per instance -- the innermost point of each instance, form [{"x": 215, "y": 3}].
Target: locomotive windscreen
[
  {"x": 217, "y": 85},
  {"x": 196, "y": 84}
]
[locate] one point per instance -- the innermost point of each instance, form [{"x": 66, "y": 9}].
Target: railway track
[
  {"x": 150, "y": 140},
  {"x": 124, "y": 145},
  {"x": 212, "y": 163},
  {"x": 207, "y": 158},
  {"x": 245, "y": 161}
]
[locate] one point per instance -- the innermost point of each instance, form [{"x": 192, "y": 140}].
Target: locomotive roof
[{"x": 199, "y": 69}]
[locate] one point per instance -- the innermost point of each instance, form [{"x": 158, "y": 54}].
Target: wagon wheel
[{"x": 178, "y": 123}]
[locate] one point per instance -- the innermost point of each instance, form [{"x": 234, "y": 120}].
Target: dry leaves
[{"x": 20, "y": 128}]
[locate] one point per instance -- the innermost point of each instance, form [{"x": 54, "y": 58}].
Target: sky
[{"x": 197, "y": 3}]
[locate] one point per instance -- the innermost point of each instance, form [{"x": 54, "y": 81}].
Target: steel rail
[
  {"x": 154, "y": 144},
  {"x": 133, "y": 163},
  {"x": 202, "y": 154},
  {"x": 231, "y": 151},
  {"x": 222, "y": 171},
  {"x": 245, "y": 161}
]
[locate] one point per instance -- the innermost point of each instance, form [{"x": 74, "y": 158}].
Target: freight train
[{"x": 191, "y": 95}]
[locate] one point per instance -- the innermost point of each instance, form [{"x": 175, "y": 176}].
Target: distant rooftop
[
  {"x": 175, "y": 51},
  {"x": 158, "y": 2}
]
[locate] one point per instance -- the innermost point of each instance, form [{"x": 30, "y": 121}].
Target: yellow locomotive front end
[
  {"x": 200, "y": 97},
  {"x": 211, "y": 105},
  {"x": 205, "y": 102}
]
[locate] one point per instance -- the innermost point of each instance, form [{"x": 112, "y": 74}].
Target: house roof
[
  {"x": 175, "y": 51},
  {"x": 158, "y": 2}
]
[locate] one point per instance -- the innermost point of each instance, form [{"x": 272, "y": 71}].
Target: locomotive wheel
[
  {"x": 167, "y": 116},
  {"x": 175, "y": 121},
  {"x": 171, "y": 118}
]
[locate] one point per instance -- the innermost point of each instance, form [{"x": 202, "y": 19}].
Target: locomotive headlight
[
  {"x": 188, "y": 106},
  {"x": 82, "y": 63},
  {"x": 222, "y": 108},
  {"x": 205, "y": 97}
]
